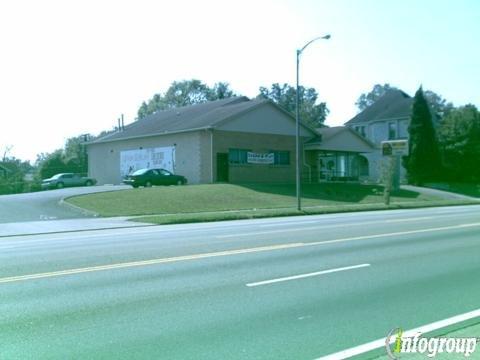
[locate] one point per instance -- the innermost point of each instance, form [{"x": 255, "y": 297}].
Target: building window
[
  {"x": 392, "y": 131},
  {"x": 237, "y": 156},
  {"x": 281, "y": 157},
  {"x": 360, "y": 130}
]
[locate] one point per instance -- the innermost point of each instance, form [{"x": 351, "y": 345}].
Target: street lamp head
[{"x": 325, "y": 37}]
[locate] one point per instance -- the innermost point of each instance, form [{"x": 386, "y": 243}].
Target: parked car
[
  {"x": 59, "y": 181},
  {"x": 149, "y": 177}
]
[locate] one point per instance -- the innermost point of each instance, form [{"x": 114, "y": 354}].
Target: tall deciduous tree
[
  {"x": 311, "y": 112},
  {"x": 12, "y": 176},
  {"x": 367, "y": 99},
  {"x": 423, "y": 162},
  {"x": 72, "y": 158},
  {"x": 459, "y": 138},
  {"x": 183, "y": 93},
  {"x": 439, "y": 106}
]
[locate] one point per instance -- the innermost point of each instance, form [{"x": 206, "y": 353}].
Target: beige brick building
[{"x": 232, "y": 140}]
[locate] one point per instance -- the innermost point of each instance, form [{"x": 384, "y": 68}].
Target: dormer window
[
  {"x": 392, "y": 131},
  {"x": 360, "y": 130}
]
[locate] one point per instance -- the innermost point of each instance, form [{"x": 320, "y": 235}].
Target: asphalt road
[
  {"x": 286, "y": 288},
  {"x": 44, "y": 205}
]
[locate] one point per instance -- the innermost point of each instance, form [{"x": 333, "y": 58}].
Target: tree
[
  {"x": 311, "y": 113},
  {"x": 367, "y": 99},
  {"x": 439, "y": 106},
  {"x": 459, "y": 139},
  {"x": 221, "y": 90},
  {"x": 72, "y": 158},
  {"x": 51, "y": 164},
  {"x": 184, "y": 93},
  {"x": 423, "y": 162},
  {"x": 12, "y": 179}
]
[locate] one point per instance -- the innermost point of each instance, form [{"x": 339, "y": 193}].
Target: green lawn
[{"x": 224, "y": 197}]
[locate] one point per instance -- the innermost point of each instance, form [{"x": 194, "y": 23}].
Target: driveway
[{"x": 45, "y": 205}]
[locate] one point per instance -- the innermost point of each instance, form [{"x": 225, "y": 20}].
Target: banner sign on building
[
  {"x": 256, "y": 158},
  {"x": 133, "y": 160}
]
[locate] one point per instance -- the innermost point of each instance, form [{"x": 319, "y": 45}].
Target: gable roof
[
  {"x": 393, "y": 104},
  {"x": 188, "y": 118},
  {"x": 331, "y": 139}
]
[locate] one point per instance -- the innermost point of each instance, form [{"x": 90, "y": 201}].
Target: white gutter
[{"x": 211, "y": 155}]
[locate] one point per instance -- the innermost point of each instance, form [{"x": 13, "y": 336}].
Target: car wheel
[
  {"x": 179, "y": 182},
  {"x": 148, "y": 184},
  {"x": 88, "y": 183},
  {"x": 60, "y": 185},
  {"x": 135, "y": 186}
]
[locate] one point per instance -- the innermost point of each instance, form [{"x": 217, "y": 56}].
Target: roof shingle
[
  {"x": 393, "y": 104},
  {"x": 193, "y": 117}
]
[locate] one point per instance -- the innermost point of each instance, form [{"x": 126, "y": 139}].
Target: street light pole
[{"x": 297, "y": 126}]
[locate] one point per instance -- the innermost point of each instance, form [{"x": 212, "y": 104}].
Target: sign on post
[{"x": 395, "y": 147}]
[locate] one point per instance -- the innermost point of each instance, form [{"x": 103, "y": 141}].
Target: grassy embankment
[{"x": 213, "y": 202}]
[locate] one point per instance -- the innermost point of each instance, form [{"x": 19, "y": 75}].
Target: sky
[{"x": 73, "y": 67}]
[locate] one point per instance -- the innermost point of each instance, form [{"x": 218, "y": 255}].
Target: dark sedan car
[{"x": 149, "y": 177}]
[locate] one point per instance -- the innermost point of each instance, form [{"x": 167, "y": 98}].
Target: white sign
[
  {"x": 256, "y": 158},
  {"x": 395, "y": 147},
  {"x": 133, "y": 160}
]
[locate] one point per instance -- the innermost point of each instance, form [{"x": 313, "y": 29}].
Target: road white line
[
  {"x": 319, "y": 227},
  {"x": 410, "y": 219},
  {"x": 400, "y": 233},
  {"x": 302, "y": 276},
  {"x": 289, "y": 223},
  {"x": 145, "y": 262},
  {"x": 327, "y": 226},
  {"x": 223, "y": 253},
  {"x": 358, "y": 350},
  {"x": 266, "y": 232}
]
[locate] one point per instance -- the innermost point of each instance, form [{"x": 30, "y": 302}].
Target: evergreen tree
[{"x": 423, "y": 162}]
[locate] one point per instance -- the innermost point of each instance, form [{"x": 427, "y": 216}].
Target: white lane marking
[
  {"x": 269, "y": 232},
  {"x": 146, "y": 262},
  {"x": 319, "y": 227},
  {"x": 360, "y": 223},
  {"x": 361, "y": 349},
  {"x": 410, "y": 219},
  {"x": 290, "y": 223},
  {"x": 302, "y": 276},
  {"x": 222, "y": 253},
  {"x": 401, "y": 233}
]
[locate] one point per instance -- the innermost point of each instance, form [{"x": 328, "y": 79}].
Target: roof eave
[{"x": 150, "y": 135}]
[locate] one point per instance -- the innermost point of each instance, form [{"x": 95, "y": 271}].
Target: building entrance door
[{"x": 222, "y": 167}]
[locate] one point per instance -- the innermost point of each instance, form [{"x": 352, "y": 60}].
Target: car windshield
[
  {"x": 140, "y": 172},
  {"x": 58, "y": 176}
]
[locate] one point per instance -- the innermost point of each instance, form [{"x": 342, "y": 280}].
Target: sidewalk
[
  {"x": 441, "y": 193},
  {"x": 68, "y": 225}
]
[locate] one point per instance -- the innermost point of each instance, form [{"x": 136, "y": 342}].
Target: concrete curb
[{"x": 82, "y": 211}]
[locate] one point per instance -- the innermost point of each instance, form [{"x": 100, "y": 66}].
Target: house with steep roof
[
  {"x": 386, "y": 119},
  {"x": 230, "y": 140}
]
